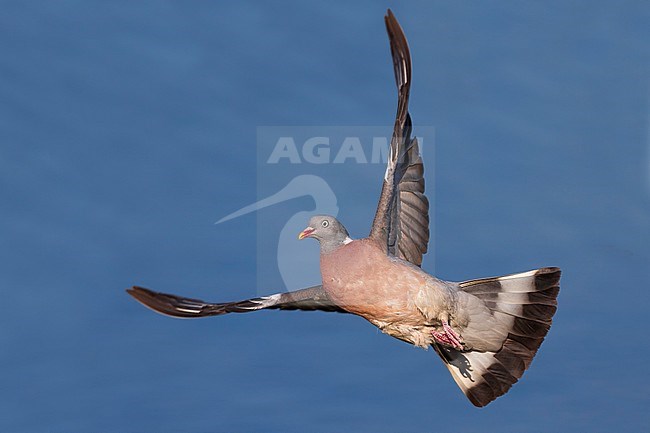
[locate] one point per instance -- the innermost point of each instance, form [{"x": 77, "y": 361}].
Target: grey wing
[
  {"x": 401, "y": 222},
  {"x": 309, "y": 299}
]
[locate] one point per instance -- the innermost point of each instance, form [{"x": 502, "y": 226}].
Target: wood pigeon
[{"x": 486, "y": 331}]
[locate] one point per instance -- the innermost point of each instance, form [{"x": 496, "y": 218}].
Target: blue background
[{"x": 128, "y": 128}]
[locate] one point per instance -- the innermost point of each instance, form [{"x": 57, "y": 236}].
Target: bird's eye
[{"x": 325, "y": 223}]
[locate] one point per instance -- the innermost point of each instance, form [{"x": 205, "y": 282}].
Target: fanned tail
[{"x": 522, "y": 307}]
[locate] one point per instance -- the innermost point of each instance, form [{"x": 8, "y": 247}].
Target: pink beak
[{"x": 306, "y": 233}]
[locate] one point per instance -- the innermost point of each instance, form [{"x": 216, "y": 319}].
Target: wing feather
[
  {"x": 309, "y": 299},
  {"x": 401, "y": 223}
]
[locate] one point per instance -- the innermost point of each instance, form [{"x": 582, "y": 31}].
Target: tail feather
[{"x": 522, "y": 304}]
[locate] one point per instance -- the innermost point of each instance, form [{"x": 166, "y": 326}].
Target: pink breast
[{"x": 362, "y": 279}]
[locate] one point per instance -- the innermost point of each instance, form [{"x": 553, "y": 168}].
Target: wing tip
[
  {"x": 161, "y": 303},
  {"x": 142, "y": 294},
  {"x": 134, "y": 289},
  {"x": 137, "y": 292},
  {"x": 389, "y": 15}
]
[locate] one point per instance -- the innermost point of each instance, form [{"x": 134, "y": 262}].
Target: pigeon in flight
[{"x": 486, "y": 331}]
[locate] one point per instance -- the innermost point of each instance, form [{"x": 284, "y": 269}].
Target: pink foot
[{"x": 448, "y": 337}]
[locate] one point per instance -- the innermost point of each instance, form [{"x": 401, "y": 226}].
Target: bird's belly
[{"x": 418, "y": 334}]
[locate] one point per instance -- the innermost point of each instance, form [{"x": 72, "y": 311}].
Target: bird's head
[{"x": 327, "y": 230}]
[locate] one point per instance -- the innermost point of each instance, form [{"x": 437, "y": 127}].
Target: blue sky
[{"x": 128, "y": 128}]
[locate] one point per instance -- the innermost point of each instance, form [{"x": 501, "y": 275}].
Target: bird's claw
[{"x": 448, "y": 337}]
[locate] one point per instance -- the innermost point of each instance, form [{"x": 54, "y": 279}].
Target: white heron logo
[{"x": 296, "y": 267}]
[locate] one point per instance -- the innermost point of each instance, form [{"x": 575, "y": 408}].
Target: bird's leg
[
  {"x": 448, "y": 336},
  {"x": 453, "y": 336}
]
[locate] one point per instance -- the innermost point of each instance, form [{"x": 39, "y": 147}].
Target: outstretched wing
[
  {"x": 312, "y": 298},
  {"x": 402, "y": 219}
]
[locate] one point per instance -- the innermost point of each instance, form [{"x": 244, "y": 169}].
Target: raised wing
[
  {"x": 312, "y": 298},
  {"x": 402, "y": 219}
]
